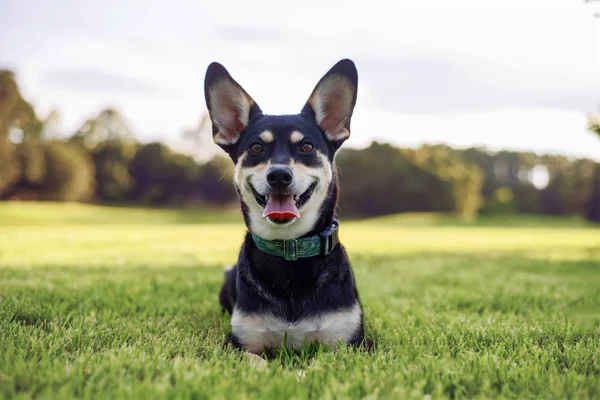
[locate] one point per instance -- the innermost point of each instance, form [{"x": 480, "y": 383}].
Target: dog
[{"x": 293, "y": 283}]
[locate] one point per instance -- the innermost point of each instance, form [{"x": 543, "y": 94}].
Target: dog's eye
[
  {"x": 256, "y": 148},
  {"x": 306, "y": 147}
]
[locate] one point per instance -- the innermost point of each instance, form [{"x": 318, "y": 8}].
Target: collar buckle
[
  {"x": 290, "y": 249},
  {"x": 329, "y": 238}
]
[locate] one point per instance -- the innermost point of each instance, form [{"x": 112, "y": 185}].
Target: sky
[{"x": 510, "y": 74}]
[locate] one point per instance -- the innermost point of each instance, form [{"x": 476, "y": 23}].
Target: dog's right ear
[{"x": 229, "y": 106}]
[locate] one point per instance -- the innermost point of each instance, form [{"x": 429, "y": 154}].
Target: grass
[{"x": 115, "y": 303}]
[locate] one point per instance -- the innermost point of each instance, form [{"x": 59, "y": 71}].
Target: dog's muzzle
[{"x": 281, "y": 206}]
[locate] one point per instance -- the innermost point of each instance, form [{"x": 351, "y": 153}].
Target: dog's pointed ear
[
  {"x": 229, "y": 106},
  {"x": 332, "y": 101}
]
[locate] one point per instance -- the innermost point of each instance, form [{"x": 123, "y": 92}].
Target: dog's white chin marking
[
  {"x": 260, "y": 332},
  {"x": 309, "y": 213}
]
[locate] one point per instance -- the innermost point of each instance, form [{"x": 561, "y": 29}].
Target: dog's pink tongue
[{"x": 281, "y": 208}]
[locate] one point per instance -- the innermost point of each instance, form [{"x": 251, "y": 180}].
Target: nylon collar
[{"x": 293, "y": 249}]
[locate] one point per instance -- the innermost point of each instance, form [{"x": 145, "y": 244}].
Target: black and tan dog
[{"x": 293, "y": 281}]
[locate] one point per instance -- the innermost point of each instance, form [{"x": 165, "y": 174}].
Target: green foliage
[
  {"x": 594, "y": 123},
  {"x": 570, "y": 186},
  {"x": 593, "y": 207},
  {"x": 112, "y": 147},
  {"x": 567, "y": 192},
  {"x": 161, "y": 175},
  {"x": 463, "y": 178},
  {"x": 131, "y": 311},
  {"x": 33, "y": 164},
  {"x": 108, "y": 127},
  {"x": 9, "y": 168},
  {"x": 113, "y": 180},
  {"x": 53, "y": 171},
  {"x": 502, "y": 201},
  {"x": 216, "y": 180},
  {"x": 17, "y": 114},
  {"x": 30, "y": 125},
  {"x": 380, "y": 180},
  {"x": 69, "y": 173}
]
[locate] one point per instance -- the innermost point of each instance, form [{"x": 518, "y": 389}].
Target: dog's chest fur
[{"x": 259, "y": 332}]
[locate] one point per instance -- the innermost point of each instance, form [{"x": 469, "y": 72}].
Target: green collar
[{"x": 293, "y": 249}]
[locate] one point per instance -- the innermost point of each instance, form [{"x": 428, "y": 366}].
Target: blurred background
[{"x": 464, "y": 107}]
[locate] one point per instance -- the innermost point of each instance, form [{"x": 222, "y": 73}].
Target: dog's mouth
[{"x": 282, "y": 208}]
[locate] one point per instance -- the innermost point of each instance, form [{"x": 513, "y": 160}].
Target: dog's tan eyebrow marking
[
  {"x": 267, "y": 136},
  {"x": 296, "y": 137}
]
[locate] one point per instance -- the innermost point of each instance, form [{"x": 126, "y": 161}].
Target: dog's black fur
[
  {"x": 296, "y": 289},
  {"x": 261, "y": 283}
]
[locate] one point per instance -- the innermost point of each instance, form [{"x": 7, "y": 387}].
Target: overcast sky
[{"x": 517, "y": 74}]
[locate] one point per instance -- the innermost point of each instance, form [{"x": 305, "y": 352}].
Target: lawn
[{"x": 99, "y": 302}]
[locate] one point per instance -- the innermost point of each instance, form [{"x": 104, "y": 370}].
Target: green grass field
[{"x": 122, "y": 303}]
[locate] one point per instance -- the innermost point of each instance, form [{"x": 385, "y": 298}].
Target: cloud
[
  {"x": 423, "y": 85},
  {"x": 240, "y": 33},
  {"x": 86, "y": 80},
  {"x": 501, "y": 74}
]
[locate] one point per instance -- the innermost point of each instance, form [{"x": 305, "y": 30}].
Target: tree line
[{"x": 103, "y": 162}]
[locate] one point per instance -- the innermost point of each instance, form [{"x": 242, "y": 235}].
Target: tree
[
  {"x": 108, "y": 127},
  {"x": 162, "y": 176},
  {"x": 113, "y": 180},
  {"x": 215, "y": 181},
  {"x": 69, "y": 173},
  {"x": 464, "y": 179},
  {"x": 382, "y": 180},
  {"x": 594, "y": 123},
  {"x": 51, "y": 122},
  {"x": 16, "y": 115},
  {"x": 540, "y": 184},
  {"x": 112, "y": 146},
  {"x": 593, "y": 209}
]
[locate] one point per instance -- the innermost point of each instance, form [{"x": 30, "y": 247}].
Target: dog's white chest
[{"x": 258, "y": 332}]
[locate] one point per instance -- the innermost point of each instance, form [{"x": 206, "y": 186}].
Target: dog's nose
[{"x": 279, "y": 177}]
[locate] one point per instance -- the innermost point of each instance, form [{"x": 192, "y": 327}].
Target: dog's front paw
[{"x": 256, "y": 361}]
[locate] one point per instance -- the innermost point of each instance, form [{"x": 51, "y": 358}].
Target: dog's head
[{"x": 284, "y": 173}]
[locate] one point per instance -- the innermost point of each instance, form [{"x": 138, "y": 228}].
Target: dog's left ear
[{"x": 332, "y": 101}]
